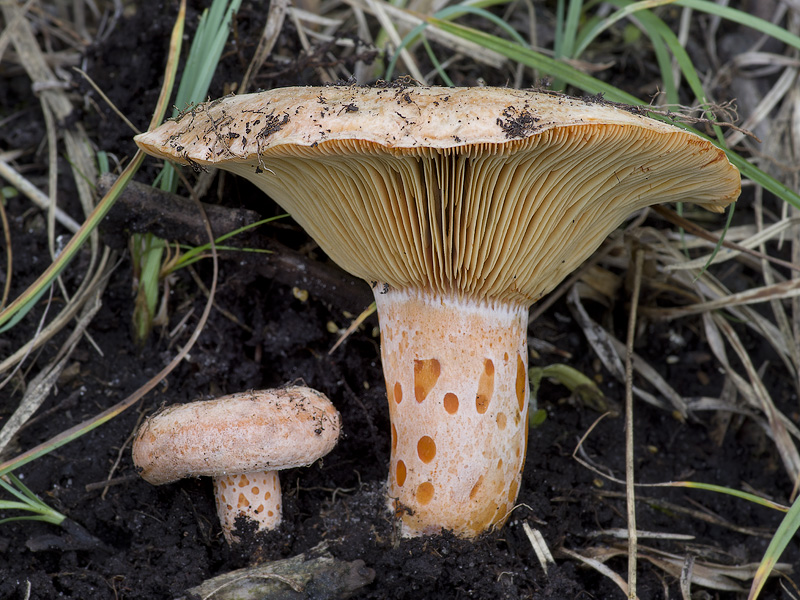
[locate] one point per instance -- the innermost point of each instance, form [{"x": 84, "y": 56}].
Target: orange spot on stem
[
  {"x": 501, "y": 421},
  {"x": 451, "y": 403},
  {"x": 425, "y": 492},
  {"x": 426, "y": 449},
  {"x": 522, "y": 383},
  {"x": 401, "y": 473},
  {"x": 426, "y": 373},
  {"x": 485, "y": 387},
  {"x": 475, "y": 488}
]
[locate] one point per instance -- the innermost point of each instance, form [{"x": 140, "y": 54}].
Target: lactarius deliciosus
[
  {"x": 462, "y": 207},
  {"x": 240, "y": 440}
]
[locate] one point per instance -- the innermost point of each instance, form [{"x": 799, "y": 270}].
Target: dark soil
[{"x": 156, "y": 542}]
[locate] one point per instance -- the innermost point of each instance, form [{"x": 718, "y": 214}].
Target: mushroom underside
[{"x": 504, "y": 222}]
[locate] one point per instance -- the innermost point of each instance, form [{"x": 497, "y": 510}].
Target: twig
[
  {"x": 630, "y": 493},
  {"x": 107, "y": 100},
  {"x": 9, "y": 254},
  {"x": 121, "y": 450},
  {"x": 353, "y": 326},
  {"x": 600, "y": 568},
  {"x": 275, "y": 18},
  {"x": 676, "y": 219},
  {"x": 33, "y": 193},
  {"x": 539, "y": 546},
  {"x": 380, "y": 10}
]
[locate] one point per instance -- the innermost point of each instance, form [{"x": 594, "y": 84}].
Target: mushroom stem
[
  {"x": 457, "y": 386},
  {"x": 255, "y": 496}
]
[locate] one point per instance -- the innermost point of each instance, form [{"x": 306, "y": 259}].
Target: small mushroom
[
  {"x": 240, "y": 440},
  {"x": 462, "y": 207}
]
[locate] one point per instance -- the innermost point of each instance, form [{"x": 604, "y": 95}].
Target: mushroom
[
  {"x": 240, "y": 440},
  {"x": 462, "y": 207}
]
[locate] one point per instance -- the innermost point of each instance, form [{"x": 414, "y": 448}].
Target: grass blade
[
  {"x": 711, "y": 8},
  {"x": 537, "y": 60},
  {"x": 710, "y": 487},
  {"x": 784, "y": 534}
]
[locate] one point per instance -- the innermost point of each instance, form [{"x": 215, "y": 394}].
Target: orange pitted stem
[
  {"x": 255, "y": 496},
  {"x": 457, "y": 386}
]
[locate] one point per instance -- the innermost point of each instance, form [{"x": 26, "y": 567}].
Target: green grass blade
[
  {"x": 537, "y": 60},
  {"x": 27, "y": 502},
  {"x": 23, "y": 500},
  {"x": 455, "y": 11},
  {"x": 436, "y": 64},
  {"x": 571, "y": 25},
  {"x": 190, "y": 255},
  {"x": 604, "y": 24},
  {"x": 710, "y": 487},
  {"x": 711, "y": 8},
  {"x": 147, "y": 254},
  {"x": 784, "y": 534},
  {"x": 23, "y": 310},
  {"x": 578, "y": 383},
  {"x": 743, "y": 18},
  {"x": 660, "y": 51},
  {"x": 786, "y": 531},
  {"x": 199, "y": 257},
  {"x": 11, "y": 505},
  {"x": 766, "y": 181},
  {"x": 37, "y": 288},
  {"x": 205, "y": 52},
  {"x": 588, "y": 24},
  {"x": 449, "y": 13},
  {"x": 558, "y": 40},
  {"x": 32, "y": 498},
  {"x": 657, "y": 28},
  {"x": 201, "y": 64},
  {"x": 33, "y": 518},
  {"x": 664, "y": 65},
  {"x": 404, "y": 43}
]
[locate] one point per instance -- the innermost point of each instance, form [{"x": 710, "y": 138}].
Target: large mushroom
[
  {"x": 462, "y": 207},
  {"x": 242, "y": 441}
]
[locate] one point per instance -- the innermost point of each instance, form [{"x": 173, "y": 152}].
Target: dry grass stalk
[
  {"x": 409, "y": 20},
  {"x": 715, "y": 576},
  {"x": 56, "y": 106}
]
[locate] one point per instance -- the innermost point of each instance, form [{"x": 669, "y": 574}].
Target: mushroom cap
[
  {"x": 241, "y": 433},
  {"x": 486, "y": 193}
]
